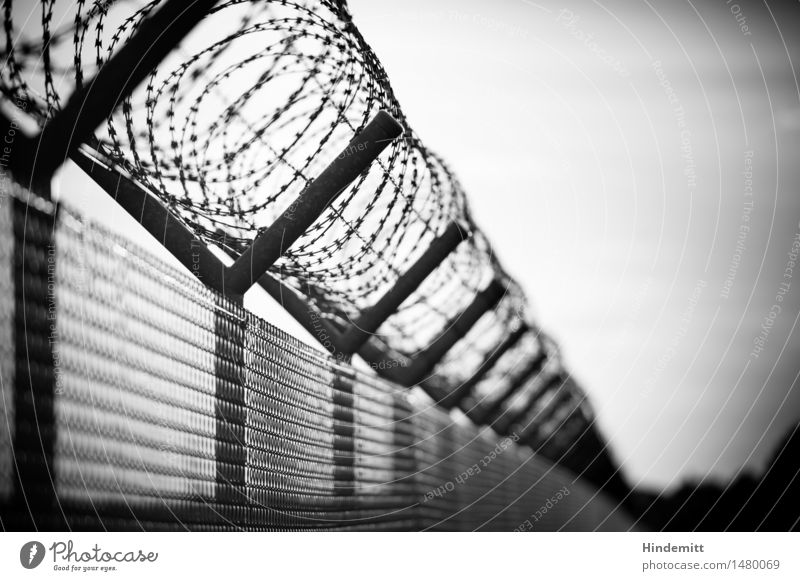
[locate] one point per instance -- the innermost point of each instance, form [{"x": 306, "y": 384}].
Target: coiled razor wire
[{"x": 240, "y": 118}]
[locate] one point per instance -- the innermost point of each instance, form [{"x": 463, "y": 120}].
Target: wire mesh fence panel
[{"x": 151, "y": 402}]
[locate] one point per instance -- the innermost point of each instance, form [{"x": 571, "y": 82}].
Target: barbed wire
[{"x": 241, "y": 117}]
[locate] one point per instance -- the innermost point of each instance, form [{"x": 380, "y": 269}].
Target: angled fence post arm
[
  {"x": 372, "y": 318},
  {"x": 483, "y": 302},
  {"x": 91, "y": 104},
  {"x": 455, "y": 397},
  {"x": 157, "y": 219},
  {"x": 519, "y": 417},
  {"x": 273, "y": 242},
  {"x": 532, "y": 368}
]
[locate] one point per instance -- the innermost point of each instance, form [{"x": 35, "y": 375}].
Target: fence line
[{"x": 161, "y": 404}]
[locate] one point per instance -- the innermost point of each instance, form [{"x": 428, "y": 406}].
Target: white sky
[{"x": 576, "y": 173}]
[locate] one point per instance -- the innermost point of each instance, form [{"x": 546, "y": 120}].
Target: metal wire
[
  {"x": 167, "y": 407},
  {"x": 237, "y": 121}
]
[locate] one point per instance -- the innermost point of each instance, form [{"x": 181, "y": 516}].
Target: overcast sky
[{"x": 604, "y": 148}]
